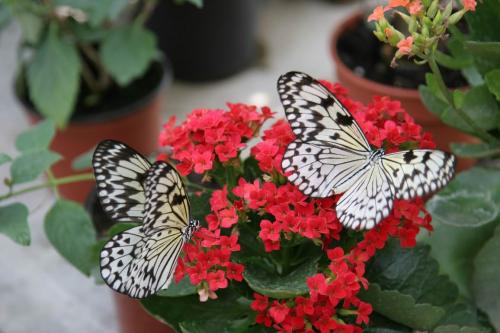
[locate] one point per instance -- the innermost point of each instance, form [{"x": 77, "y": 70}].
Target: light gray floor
[{"x": 39, "y": 291}]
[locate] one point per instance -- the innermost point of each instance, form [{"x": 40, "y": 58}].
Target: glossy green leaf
[
  {"x": 486, "y": 278},
  {"x": 432, "y": 102},
  {"x": 14, "y": 223},
  {"x": 30, "y": 166},
  {"x": 381, "y": 324},
  {"x": 479, "y": 150},
  {"x": 70, "y": 230},
  {"x": 4, "y": 158},
  {"x": 83, "y": 161},
  {"x": 484, "y": 22},
  {"x": 37, "y": 137},
  {"x": 183, "y": 288},
  {"x": 127, "y": 52},
  {"x": 463, "y": 318},
  {"x": 276, "y": 286},
  {"x": 53, "y": 77},
  {"x": 402, "y": 308},
  {"x": 492, "y": 80},
  {"x": 97, "y": 11},
  {"x": 451, "y": 62},
  {"x": 244, "y": 325},
  {"x": 31, "y": 26},
  {"x": 200, "y": 205},
  {"x": 251, "y": 170},
  {"x": 176, "y": 310}
]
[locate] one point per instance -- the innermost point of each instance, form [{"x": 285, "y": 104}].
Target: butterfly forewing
[
  {"x": 119, "y": 173},
  {"x": 418, "y": 172},
  {"x": 330, "y": 147}
]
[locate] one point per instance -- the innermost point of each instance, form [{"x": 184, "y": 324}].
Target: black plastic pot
[{"x": 210, "y": 43}]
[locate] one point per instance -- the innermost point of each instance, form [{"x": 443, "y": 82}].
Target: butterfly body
[
  {"x": 140, "y": 261},
  {"x": 331, "y": 155}
]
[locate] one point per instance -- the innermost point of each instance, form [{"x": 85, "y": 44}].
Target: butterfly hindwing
[
  {"x": 119, "y": 172},
  {"x": 419, "y": 172}
]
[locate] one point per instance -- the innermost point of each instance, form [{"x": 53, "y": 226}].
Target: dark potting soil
[
  {"x": 117, "y": 99},
  {"x": 365, "y": 55}
]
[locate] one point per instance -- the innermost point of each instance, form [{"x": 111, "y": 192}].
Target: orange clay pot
[
  {"x": 138, "y": 124},
  {"x": 134, "y": 319},
  {"x": 363, "y": 90}
]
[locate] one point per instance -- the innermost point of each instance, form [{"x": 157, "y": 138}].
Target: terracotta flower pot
[
  {"x": 138, "y": 124},
  {"x": 363, "y": 90},
  {"x": 132, "y": 318}
]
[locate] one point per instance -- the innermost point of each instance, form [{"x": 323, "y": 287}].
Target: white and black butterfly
[
  {"x": 140, "y": 261},
  {"x": 331, "y": 155}
]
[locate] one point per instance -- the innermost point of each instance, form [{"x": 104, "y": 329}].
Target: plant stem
[
  {"x": 51, "y": 183},
  {"x": 103, "y": 80},
  {"x": 147, "y": 10},
  {"x": 485, "y": 136},
  {"x": 197, "y": 186}
]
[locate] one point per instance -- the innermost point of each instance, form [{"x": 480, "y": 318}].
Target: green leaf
[
  {"x": 4, "y": 158},
  {"x": 486, "y": 54},
  {"x": 402, "y": 308},
  {"x": 53, "y": 77},
  {"x": 486, "y": 278},
  {"x": 14, "y": 223},
  {"x": 200, "y": 205},
  {"x": 121, "y": 227},
  {"x": 480, "y": 150},
  {"x": 276, "y": 286},
  {"x": 30, "y": 166},
  {"x": 452, "y": 62},
  {"x": 127, "y": 52},
  {"x": 70, "y": 230},
  {"x": 464, "y": 318},
  {"x": 37, "y": 137},
  {"x": 454, "y": 243},
  {"x": 83, "y": 161},
  {"x": 432, "y": 102},
  {"x": 183, "y": 288},
  {"x": 380, "y": 324},
  {"x": 244, "y": 325},
  {"x": 197, "y": 3},
  {"x": 97, "y": 11},
  {"x": 484, "y": 22},
  {"x": 31, "y": 26},
  {"x": 251, "y": 170},
  {"x": 174, "y": 310},
  {"x": 405, "y": 286},
  {"x": 464, "y": 209},
  {"x": 492, "y": 80},
  {"x": 482, "y": 107}
]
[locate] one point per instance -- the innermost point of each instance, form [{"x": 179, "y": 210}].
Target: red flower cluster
[
  {"x": 208, "y": 135},
  {"x": 291, "y": 210},
  {"x": 214, "y": 135}
]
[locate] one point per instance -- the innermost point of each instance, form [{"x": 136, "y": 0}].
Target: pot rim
[
  {"x": 384, "y": 89},
  {"x": 111, "y": 114}
]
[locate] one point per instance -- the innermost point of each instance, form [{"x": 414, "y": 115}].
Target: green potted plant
[
  {"x": 267, "y": 257},
  {"x": 93, "y": 69},
  {"x": 365, "y": 67},
  {"x": 466, "y": 213}
]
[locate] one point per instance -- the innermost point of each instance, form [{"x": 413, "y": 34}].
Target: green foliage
[
  {"x": 178, "y": 311},
  {"x": 492, "y": 80},
  {"x": 480, "y": 150},
  {"x": 127, "y": 52},
  {"x": 277, "y": 286},
  {"x": 486, "y": 278},
  {"x": 406, "y": 287},
  {"x": 14, "y": 223},
  {"x": 484, "y": 22},
  {"x": 71, "y": 232},
  {"x": 183, "y": 288},
  {"x": 97, "y": 11},
  {"x": 4, "y": 158},
  {"x": 200, "y": 205},
  {"x": 36, "y": 138},
  {"x": 460, "y": 227},
  {"x": 31, "y": 165},
  {"x": 53, "y": 77},
  {"x": 83, "y": 161}
]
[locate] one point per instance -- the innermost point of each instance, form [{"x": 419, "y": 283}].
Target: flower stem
[
  {"x": 52, "y": 183},
  {"x": 197, "y": 186},
  {"x": 485, "y": 136}
]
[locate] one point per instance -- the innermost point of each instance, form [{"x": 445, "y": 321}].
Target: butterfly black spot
[
  {"x": 304, "y": 159},
  {"x": 395, "y": 172},
  {"x": 426, "y": 156},
  {"x": 127, "y": 240},
  {"x": 120, "y": 263},
  {"x": 120, "y": 252},
  {"x": 409, "y": 156},
  {"x": 344, "y": 120},
  {"x": 335, "y": 136},
  {"x": 308, "y": 150},
  {"x": 177, "y": 199}
]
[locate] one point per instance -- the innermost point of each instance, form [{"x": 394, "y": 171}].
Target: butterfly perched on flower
[
  {"x": 140, "y": 261},
  {"x": 331, "y": 155}
]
